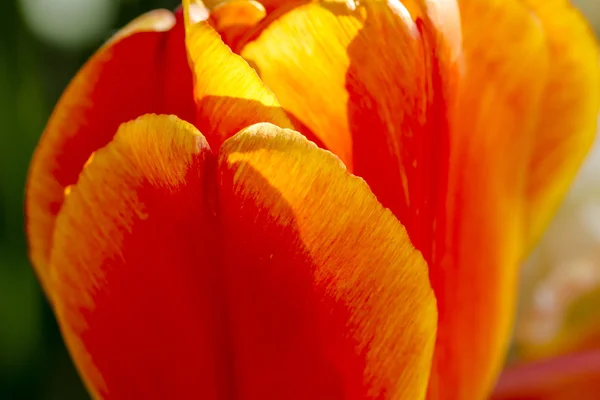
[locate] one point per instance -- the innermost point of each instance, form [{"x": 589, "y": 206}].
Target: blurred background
[{"x": 44, "y": 42}]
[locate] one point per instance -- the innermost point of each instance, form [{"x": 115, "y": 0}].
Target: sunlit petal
[
  {"x": 285, "y": 279},
  {"x": 122, "y": 81},
  {"x": 229, "y": 94},
  {"x": 132, "y": 271},
  {"x": 441, "y": 127},
  {"x": 330, "y": 298},
  {"x": 567, "y": 120},
  {"x": 235, "y": 18}
]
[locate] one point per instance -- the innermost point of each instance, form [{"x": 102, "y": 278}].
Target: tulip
[{"x": 308, "y": 200}]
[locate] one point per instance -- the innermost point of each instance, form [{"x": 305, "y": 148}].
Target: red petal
[
  {"x": 229, "y": 94},
  {"x": 133, "y": 267},
  {"x": 329, "y": 299},
  {"x": 123, "y": 80},
  {"x": 308, "y": 288},
  {"x": 438, "y": 118}
]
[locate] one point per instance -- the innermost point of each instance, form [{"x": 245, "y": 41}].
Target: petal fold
[
  {"x": 122, "y": 81},
  {"x": 480, "y": 232},
  {"x": 439, "y": 119},
  {"x": 302, "y": 57},
  {"x": 132, "y": 271},
  {"x": 287, "y": 279},
  {"x": 229, "y": 94},
  {"x": 332, "y": 301},
  {"x": 235, "y": 18}
]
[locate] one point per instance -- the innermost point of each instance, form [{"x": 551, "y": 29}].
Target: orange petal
[
  {"x": 337, "y": 49},
  {"x": 441, "y": 128},
  {"x": 570, "y": 106},
  {"x": 575, "y": 376},
  {"x": 229, "y": 95},
  {"x": 122, "y": 81},
  {"x": 325, "y": 297},
  {"x": 272, "y": 5},
  {"x": 480, "y": 239},
  {"x": 329, "y": 298},
  {"x": 234, "y": 18},
  {"x": 294, "y": 55},
  {"x": 132, "y": 270}
]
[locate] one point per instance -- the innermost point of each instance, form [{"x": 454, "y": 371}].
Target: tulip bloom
[{"x": 195, "y": 242}]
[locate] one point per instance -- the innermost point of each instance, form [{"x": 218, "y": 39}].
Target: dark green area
[{"x": 33, "y": 361}]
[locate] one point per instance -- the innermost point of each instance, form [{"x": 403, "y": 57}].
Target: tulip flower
[{"x": 308, "y": 200}]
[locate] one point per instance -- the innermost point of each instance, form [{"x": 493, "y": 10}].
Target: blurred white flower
[
  {"x": 591, "y": 9},
  {"x": 69, "y": 23}
]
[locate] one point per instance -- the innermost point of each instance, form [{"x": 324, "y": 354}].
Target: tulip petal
[
  {"x": 330, "y": 298},
  {"x": 122, "y": 81},
  {"x": 441, "y": 128},
  {"x": 492, "y": 118},
  {"x": 574, "y": 376},
  {"x": 320, "y": 290},
  {"x": 271, "y": 5},
  {"x": 229, "y": 94},
  {"x": 570, "y": 106},
  {"x": 371, "y": 112},
  {"x": 234, "y": 18},
  {"x": 132, "y": 270},
  {"x": 294, "y": 55}
]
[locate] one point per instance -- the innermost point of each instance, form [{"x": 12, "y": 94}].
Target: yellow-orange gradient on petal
[
  {"x": 492, "y": 129},
  {"x": 222, "y": 78},
  {"x": 132, "y": 273},
  {"x": 235, "y": 18},
  {"x": 276, "y": 275},
  {"x": 443, "y": 122},
  {"x": 570, "y": 105},
  {"x": 142, "y": 69},
  {"x": 122, "y": 81},
  {"x": 246, "y": 262},
  {"x": 323, "y": 260},
  {"x": 304, "y": 62}
]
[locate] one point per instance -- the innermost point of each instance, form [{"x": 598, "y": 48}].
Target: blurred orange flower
[{"x": 194, "y": 244}]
